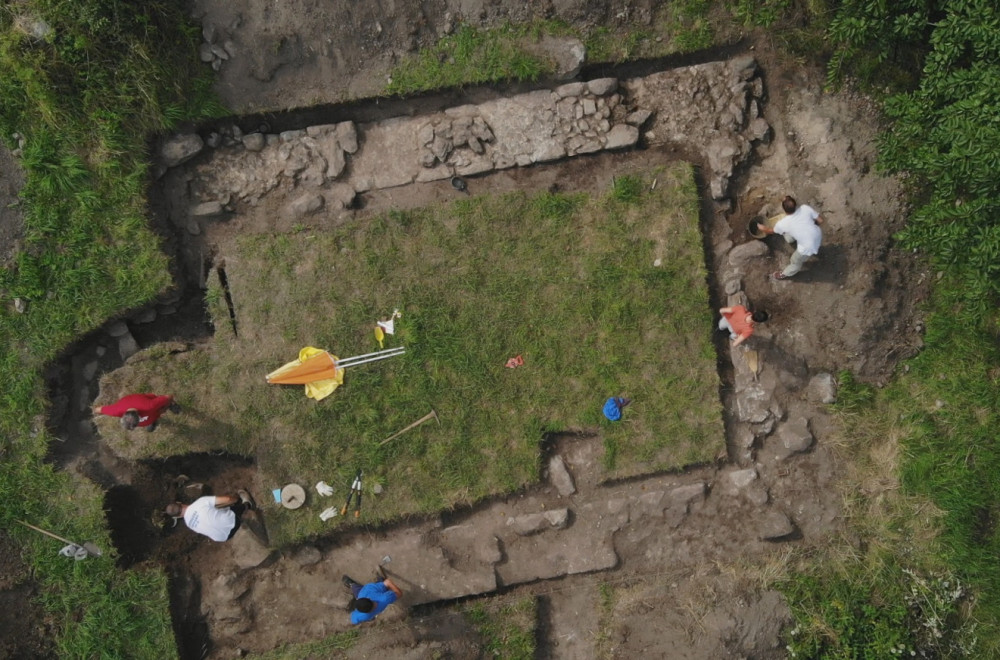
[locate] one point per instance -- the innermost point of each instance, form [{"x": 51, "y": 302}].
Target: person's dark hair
[
  {"x": 363, "y": 605},
  {"x": 760, "y": 317},
  {"x": 174, "y": 509},
  {"x": 130, "y": 420},
  {"x": 788, "y": 204}
]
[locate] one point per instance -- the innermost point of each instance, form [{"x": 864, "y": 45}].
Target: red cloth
[
  {"x": 738, "y": 321},
  {"x": 149, "y": 407}
]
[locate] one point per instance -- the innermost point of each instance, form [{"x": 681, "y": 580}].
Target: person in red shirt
[
  {"x": 139, "y": 410},
  {"x": 739, "y": 321}
]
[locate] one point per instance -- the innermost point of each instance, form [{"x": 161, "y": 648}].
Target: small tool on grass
[
  {"x": 355, "y": 488},
  {"x": 92, "y": 550},
  {"x": 420, "y": 421}
]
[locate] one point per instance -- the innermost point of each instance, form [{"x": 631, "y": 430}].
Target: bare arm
[
  {"x": 222, "y": 501},
  {"x": 392, "y": 586},
  {"x": 739, "y": 340},
  {"x": 725, "y": 310},
  {"x": 819, "y": 220}
]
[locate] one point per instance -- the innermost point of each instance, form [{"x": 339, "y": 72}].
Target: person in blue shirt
[{"x": 371, "y": 599}]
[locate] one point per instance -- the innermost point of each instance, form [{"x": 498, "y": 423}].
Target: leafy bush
[
  {"x": 871, "y": 35},
  {"x": 945, "y": 133}
]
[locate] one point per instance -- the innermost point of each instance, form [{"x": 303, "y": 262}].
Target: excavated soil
[{"x": 682, "y": 552}]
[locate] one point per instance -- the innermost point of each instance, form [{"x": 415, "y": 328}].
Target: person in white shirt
[
  {"x": 218, "y": 518},
  {"x": 800, "y": 227}
]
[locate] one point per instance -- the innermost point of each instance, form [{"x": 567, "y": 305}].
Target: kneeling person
[
  {"x": 740, "y": 322},
  {"x": 371, "y": 599},
  {"x": 218, "y": 518}
]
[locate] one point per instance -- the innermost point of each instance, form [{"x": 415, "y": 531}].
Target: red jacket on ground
[{"x": 149, "y": 407}]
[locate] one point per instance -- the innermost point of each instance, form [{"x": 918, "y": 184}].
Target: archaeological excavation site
[{"x": 518, "y": 254}]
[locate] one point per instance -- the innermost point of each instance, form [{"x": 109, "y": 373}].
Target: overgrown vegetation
[
  {"x": 921, "y": 577},
  {"x": 566, "y": 281},
  {"x": 919, "y": 552},
  {"x": 945, "y": 133},
  {"x": 83, "y": 83}
]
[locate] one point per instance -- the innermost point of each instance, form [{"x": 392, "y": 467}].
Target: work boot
[
  {"x": 348, "y": 581},
  {"x": 152, "y": 427},
  {"x": 174, "y": 407},
  {"x": 247, "y": 499}
]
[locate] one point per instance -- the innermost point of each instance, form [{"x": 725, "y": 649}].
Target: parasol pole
[
  {"x": 388, "y": 350},
  {"x": 370, "y": 357}
]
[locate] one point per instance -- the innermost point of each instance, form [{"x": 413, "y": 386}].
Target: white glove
[
  {"x": 74, "y": 551},
  {"x": 328, "y": 513},
  {"x": 324, "y": 488}
]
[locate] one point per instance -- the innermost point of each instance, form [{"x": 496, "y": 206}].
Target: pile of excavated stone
[{"x": 712, "y": 109}]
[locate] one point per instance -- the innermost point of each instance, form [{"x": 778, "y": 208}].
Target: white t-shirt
[
  {"x": 201, "y": 516},
  {"x": 802, "y": 228}
]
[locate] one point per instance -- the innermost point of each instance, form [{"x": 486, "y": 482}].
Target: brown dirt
[
  {"x": 25, "y": 630},
  {"x": 688, "y": 591}
]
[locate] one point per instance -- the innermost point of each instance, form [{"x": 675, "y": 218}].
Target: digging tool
[
  {"x": 420, "y": 421},
  {"x": 92, "y": 550},
  {"x": 357, "y": 507},
  {"x": 355, "y": 488}
]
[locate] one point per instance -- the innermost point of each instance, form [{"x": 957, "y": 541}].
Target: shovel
[{"x": 92, "y": 550}]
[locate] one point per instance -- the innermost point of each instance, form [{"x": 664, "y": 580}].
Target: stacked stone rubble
[{"x": 713, "y": 109}]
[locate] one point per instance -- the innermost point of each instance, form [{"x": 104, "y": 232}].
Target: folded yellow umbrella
[
  {"x": 315, "y": 368},
  {"x": 322, "y": 372}
]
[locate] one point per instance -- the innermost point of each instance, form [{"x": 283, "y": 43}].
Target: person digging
[
  {"x": 739, "y": 322},
  {"x": 370, "y": 600},
  {"x": 217, "y": 517},
  {"x": 139, "y": 410},
  {"x": 799, "y": 227}
]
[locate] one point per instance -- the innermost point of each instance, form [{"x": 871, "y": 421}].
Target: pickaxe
[{"x": 416, "y": 423}]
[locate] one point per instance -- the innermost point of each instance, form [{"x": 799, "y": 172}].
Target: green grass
[
  {"x": 329, "y": 647},
  {"x": 566, "y": 281},
  {"x": 922, "y": 507},
  {"x": 507, "y": 627},
  {"x": 84, "y": 98},
  {"x": 607, "y": 597},
  {"x": 470, "y": 56}
]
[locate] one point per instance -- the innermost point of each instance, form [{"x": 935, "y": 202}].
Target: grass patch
[
  {"x": 471, "y": 56},
  {"x": 83, "y": 82},
  {"x": 566, "y": 281},
  {"x": 918, "y": 568},
  {"x": 328, "y": 647},
  {"x": 508, "y": 627},
  {"x": 605, "y": 620}
]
